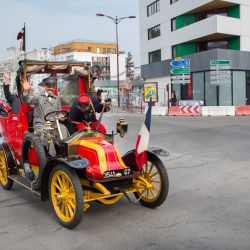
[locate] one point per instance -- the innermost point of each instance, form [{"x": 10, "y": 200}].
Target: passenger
[
  {"x": 83, "y": 110},
  {"x": 43, "y": 104},
  {"x": 12, "y": 99}
]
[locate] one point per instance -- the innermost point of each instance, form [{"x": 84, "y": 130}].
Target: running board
[{"x": 24, "y": 183}]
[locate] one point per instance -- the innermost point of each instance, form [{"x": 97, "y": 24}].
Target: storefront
[{"x": 233, "y": 93}]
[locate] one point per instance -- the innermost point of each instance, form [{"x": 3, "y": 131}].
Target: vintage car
[{"x": 87, "y": 166}]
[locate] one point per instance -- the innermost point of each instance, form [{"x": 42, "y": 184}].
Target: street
[{"x": 208, "y": 206}]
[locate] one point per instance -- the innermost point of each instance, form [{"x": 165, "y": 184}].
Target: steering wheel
[{"x": 56, "y": 112}]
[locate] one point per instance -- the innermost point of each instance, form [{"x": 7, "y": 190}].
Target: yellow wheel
[
  {"x": 6, "y": 183},
  {"x": 155, "y": 173},
  {"x": 66, "y": 196}
]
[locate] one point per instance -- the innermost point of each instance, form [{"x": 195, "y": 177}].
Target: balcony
[
  {"x": 213, "y": 28},
  {"x": 187, "y": 7}
]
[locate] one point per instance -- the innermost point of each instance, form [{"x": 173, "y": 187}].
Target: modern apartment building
[
  {"x": 96, "y": 52},
  {"x": 202, "y": 31}
]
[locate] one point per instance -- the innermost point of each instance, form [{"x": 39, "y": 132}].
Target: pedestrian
[
  {"x": 84, "y": 111},
  {"x": 173, "y": 99}
]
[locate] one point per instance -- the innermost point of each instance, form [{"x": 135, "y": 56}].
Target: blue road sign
[{"x": 180, "y": 63}]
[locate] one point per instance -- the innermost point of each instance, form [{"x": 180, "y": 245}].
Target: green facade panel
[
  {"x": 185, "y": 49},
  {"x": 234, "y": 43},
  {"x": 182, "y": 21},
  {"x": 234, "y": 11}
]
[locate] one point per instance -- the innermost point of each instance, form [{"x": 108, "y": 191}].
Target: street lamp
[{"x": 117, "y": 20}]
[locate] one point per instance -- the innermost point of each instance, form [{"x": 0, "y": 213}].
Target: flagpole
[{"x": 24, "y": 47}]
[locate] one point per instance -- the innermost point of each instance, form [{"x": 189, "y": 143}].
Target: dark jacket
[
  {"x": 13, "y": 100},
  {"x": 76, "y": 115}
]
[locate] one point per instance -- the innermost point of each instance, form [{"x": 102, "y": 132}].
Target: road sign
[
  {"x": 221, "y": 77},
  {"x": 175, "y": 77},
  {"x": 180, "y": 63},
  {"x": 220, "y": 67},
  {"x": 180, "y": 81},
  {"x": 189, "y": 109},
  {"x": 217, "y": 72},
  {"x": 180, "y": 71},
  {"x": 215, "y": 82},
  {"x": 220, "y": 62}
]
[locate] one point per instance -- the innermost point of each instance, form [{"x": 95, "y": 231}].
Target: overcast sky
[{"x": 49, "y": 22}]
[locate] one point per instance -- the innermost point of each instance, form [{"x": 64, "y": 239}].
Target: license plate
[{"x": 116, "y": 173}]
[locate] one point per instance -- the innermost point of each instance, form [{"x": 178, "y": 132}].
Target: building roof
[{"x": 86, "y": 41}]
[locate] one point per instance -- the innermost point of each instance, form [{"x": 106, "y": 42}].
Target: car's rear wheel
[
  {"x": 6, "y": 183},
  {"x": 66, "y": 196},
  {"x": 155, "y": 173}
]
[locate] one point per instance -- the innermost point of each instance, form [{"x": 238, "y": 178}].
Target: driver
[
  {"x": 43, "y": 104},
  {"x": 83, "y": 110}
]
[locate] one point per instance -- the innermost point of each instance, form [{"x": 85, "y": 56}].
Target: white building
[
  {"x": 202, "y": 31},
  {"x": 10, "y": 64},
  {"x": 95, "y": 52}
]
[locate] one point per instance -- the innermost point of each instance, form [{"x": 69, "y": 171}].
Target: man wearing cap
[
  {"x": 43, "y": 104},
  {"x": 83, "y": 110}
]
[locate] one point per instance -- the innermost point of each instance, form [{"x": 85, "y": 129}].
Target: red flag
[
  {"x": 143, "y": 139},
  {"x": 20, "y": 34}
]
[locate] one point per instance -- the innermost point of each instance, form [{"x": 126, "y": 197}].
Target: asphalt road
[{"x": 208, "y": 206}]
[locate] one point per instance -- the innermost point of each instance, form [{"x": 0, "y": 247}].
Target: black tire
[
  {"x": 78, "y": 191},
  {"x": 164, "y": 185},
  {"x": 6, "y": 183},
  {"x": 32, "y": 139}
]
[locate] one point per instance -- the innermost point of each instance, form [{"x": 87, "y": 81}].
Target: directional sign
[
  {"x": 180, "y": 63},
  {"x": 220, "y": 67},
  {"x": 180, "y": 77},
  {"x": 220, "y": 62},
  {"x": 220, "y": 77},
  {"x": 224, "y": 72},
  {"x": 221, "y": 82},
  {"x": 180, "y": 71},
  {"x": 180, "y": 81}
]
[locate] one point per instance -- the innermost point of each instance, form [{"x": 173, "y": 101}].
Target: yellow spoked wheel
[
  {"x": 155, "y": 173},
  {"x": 66, "y": 196},
  {"x": 6, "y": 183}
]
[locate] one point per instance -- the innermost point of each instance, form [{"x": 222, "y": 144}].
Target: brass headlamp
[{"x": 122, "y": 127}]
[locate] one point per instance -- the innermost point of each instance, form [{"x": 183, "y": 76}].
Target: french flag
[{"x": 143, "y": 139}]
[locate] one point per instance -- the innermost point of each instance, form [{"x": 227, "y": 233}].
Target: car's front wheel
[{"x": 66, "y": 196}]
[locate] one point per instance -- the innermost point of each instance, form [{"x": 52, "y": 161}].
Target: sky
[{"x": 50, "y": 22}]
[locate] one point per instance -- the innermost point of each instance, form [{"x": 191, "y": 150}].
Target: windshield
[{"x": 68, "y": 88}]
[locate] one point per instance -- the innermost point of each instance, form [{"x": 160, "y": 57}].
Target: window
[
  {"x": 69, "y": 58},
  {"x": 173, "y": 24},
  {"x": 104, "y": 50},
  {"x": 198, "y": 86},
  {"x": 98, "y": 50},
  {"x": 154, "y": 32},
  {"x": 173, "y": 1},
  {"x": 154, "y": 56},
  {"x": 221, "y": 12},
  {"x": 153, "y": 8},
  {"x": 89, "y": 49},
  {"x": 174, "y": 52},
  {"x": 220, "y": 44}
]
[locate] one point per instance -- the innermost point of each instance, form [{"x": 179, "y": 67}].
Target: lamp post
[{"x": 116, "y": 20}]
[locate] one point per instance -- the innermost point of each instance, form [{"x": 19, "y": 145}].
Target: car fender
[
  {"x": 76, "y": 162},
  {"x": 129, "y": 157}
]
